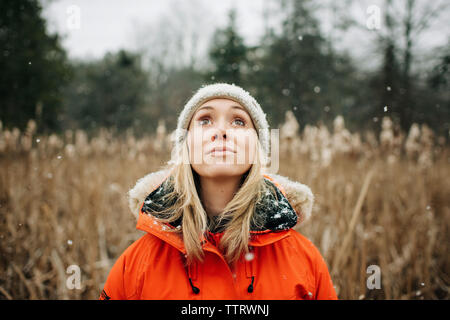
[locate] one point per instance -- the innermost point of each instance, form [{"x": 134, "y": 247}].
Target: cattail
[
  {"x": 12, "y": 138},
  {"x": 427, "y": 143},
  {"x": 159, "y": 141},
  {"x": 387, "y": 134},
  {"x": 387, "y": 140},
  {"x": 341, "y": 139},
  {"x": 290, "y": 127},
  {"x": 54, "y": 143},
  {"x": 81, "y": 143},
  {"x": 70, "y": 150},
  {"x": 356, "y": 143},
  {"x": 31, "y": 127},
  {"x": 325, "y": 145},
  {"x": 289, "y": 135},
  {"x": 412, "y": 144}
]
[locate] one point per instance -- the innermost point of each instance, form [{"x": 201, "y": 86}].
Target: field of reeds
[{"x": 381, "y": 200}]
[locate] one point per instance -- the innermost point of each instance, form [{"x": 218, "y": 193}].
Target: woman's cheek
[{"x": 246, "y": 151}]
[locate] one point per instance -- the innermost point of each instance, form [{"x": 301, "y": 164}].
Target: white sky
[
  {"x": 107, "y": 25},
  {"x": 111, "y": 24}
]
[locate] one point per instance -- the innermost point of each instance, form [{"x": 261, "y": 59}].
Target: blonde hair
[{"x": 239, "y": 212}]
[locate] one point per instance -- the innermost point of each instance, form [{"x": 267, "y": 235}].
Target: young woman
[{"x": 217, "y": 226}]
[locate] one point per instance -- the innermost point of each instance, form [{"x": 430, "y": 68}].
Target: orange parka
[{"x": 282, "y": 263}]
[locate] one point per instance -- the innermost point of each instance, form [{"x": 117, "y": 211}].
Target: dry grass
[{"x": 63, "y": 202}]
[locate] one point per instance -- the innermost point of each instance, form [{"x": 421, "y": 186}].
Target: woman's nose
[{"x": 217, "y": 135}]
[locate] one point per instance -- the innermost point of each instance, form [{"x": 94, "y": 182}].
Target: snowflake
[{"x": 249, "y": 256}]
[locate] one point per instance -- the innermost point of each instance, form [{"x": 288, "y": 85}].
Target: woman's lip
[{"x": 220, "y": 152}]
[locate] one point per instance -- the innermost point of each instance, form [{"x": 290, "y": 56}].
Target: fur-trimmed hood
[{"x": 298, "y": 195}]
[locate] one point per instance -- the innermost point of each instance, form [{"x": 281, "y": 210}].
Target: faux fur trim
[
  {"x": 299, "y": 195},
  {"x": 143, "y": 187}
]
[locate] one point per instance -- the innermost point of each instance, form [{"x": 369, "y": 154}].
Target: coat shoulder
[
  {"x": 305, "y": 247},
  {"x": 140, "y": 249}
]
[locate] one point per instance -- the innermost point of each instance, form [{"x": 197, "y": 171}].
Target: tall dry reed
[{"x": 63, "y": 202}]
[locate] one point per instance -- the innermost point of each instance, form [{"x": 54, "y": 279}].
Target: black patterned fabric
[{"x": 274, "y": 211}]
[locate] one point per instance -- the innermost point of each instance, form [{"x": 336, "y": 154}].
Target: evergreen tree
[
  {"x": 111, "y": 92},
  {"x": 228, "y": 54},
  {"x": 33, "y": 67},
  {"x": 298, "y": 70}
]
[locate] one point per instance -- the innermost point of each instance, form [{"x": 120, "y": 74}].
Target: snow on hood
[{"x": 299, "y": 195}]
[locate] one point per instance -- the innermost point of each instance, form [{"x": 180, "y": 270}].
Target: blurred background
[{"x": 89, "y": 96}]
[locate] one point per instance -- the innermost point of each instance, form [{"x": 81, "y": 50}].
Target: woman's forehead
[{"x": 223, "y": 104}]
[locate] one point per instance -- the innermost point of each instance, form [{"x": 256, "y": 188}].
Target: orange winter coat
[{"x": 282, "y": 264}]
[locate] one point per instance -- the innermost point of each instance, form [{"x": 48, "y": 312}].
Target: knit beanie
[{"x": 228, "y": 91}]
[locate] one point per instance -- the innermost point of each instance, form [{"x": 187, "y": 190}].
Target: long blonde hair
[{"x": 239, "y": 212}]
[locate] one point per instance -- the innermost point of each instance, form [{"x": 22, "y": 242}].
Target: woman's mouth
[{"x": 221, "y": 153}]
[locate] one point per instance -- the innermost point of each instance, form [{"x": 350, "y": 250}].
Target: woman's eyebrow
[
  {"x": 211, "y": 108},
  {"x": 205, "y": 107}
]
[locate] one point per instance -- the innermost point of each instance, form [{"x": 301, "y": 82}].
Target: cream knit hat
[{"x": 228, "y": 91}]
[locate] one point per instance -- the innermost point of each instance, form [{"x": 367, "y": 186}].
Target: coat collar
[
  {"x": 274, "y": 211},
  {"x": 290, "y": 205},
  {"x": 298, "y": 195}
]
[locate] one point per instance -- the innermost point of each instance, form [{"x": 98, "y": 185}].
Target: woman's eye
[
  {"x": 206, "y": 121},
  {"x": 202, "y": 121}
]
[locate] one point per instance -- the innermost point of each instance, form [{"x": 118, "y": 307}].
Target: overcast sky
[
  {"x": 112, "y": 24},
  {"x": 107, "y": 25}
]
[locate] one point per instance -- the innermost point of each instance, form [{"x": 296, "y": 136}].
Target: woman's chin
[{"x": 224, "y": 170}]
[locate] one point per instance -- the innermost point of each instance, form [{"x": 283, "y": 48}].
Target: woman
[{"x": 217, "y": 226}]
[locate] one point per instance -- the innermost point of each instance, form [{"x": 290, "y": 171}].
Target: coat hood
[{"x": 299, "y": 196}]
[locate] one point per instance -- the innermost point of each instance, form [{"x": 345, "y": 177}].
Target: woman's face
[{"x": 221, "y": 139}]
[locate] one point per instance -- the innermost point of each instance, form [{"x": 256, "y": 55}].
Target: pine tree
[
  {"x": 33, "y": 67},
  {"x": 228, "y": 54}
]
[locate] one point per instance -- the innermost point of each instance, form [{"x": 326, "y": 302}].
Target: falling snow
[{"x": 249, "y": 256}]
